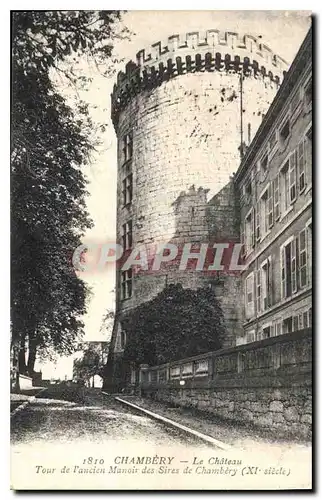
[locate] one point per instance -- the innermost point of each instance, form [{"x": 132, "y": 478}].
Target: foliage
[
  {"x": 92, "y": 361},
  {"x": 178, "y": 323},
  {"x": 51, "y": 144},
  {"x": 107, "y": 323}
]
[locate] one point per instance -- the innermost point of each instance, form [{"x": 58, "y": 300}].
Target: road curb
[
  {"x": 26, "y": 403},
  {"x": 156, "y": 416}
]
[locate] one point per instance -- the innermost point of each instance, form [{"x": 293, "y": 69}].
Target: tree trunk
[
  {"x": 22, "y": 359},
  {"x": 15, "y": 383},
  {"x": 31, "y": 358}
]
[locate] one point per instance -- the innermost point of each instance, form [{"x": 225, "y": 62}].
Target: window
[
  {"x": 292, "y": 173},
  {"x": 308, "y": 94},
  {"x": 266, "y": 333},
  {"x": 276, "y": 197},
  {"x": 303, "y": 257},
  {"x": 309, "y": 251},
  {"x": 127, "y": 147},
  {"x": 285, "y": 131},
  {"x": 127, "y": 237},
  {"x": 294, "y": 259},
  {"x": 266, "y": 285},
  {"x": 127, "y": 189},
  {"x": 287, "y": 325},
  {"x": 270, "y": 220},
  {"x": 267, "y": 209},
  {"x": 250, "y": 336},
  {"x": 258, "y": 221},
  {"x": 249, "y": 296},
  {"x": 294, "y": 264},
  {"x": 302, "y": 320},
  {"x": 308, "y": 156},
  {"x": 126, "y": 284},
  {"x": 242, "y": 240},
  {"x": 123, "y": 339},
  {"x": 285, "y": 194},
  {"x": 258, "y": 290},
  {"x": 286, "y": 271},
  {"x": 295, "y": 323},
  {"x": 301, "y": 163},
  {"x": 249, "y": 231},
  {"x": 277, "y": 329},
  {"x": 264, "y": 164}
]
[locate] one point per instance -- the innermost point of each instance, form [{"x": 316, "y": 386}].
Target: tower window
[
  {"x": 127, "y": 235},
  {"x": 127, "y": 190},
  {"x": 126, "y": 284},
  {"x": 127, "y": 147}
]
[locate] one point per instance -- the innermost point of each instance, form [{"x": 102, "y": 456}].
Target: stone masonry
[{"x": 189, "y": 105}]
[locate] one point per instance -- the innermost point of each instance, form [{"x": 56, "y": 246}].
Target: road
[
  {"x": 67, "y": 414},
  {"x": 75, "y": 438}
]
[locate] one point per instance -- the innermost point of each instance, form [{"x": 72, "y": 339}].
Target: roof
[{"x": 302, "y": 59}]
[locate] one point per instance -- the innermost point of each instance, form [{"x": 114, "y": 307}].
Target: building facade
[
  {"x": 185, "y": 114},
  {"x": 274, "y": 184}
]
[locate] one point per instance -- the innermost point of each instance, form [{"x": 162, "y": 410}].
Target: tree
[
  {"x": 51, "y": 144},
  {"x": 91, "y": 362},
  {"x": 177, "y": 323}
]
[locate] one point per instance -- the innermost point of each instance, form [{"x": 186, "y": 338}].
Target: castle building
[{"x": 185, "y": 114}]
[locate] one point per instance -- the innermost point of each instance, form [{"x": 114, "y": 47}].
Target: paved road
[{"x": 67, "y": 414}]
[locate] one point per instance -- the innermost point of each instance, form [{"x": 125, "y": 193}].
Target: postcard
[{"x": 161, "y": 250}]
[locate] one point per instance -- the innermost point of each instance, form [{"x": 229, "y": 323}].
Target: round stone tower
[{"x": 183, "y": 113}]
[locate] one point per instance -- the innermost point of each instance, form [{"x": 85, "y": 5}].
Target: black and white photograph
[{"x": 161, "y": 250}]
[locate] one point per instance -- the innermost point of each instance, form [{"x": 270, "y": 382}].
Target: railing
[{"x": 287, "y": 355}]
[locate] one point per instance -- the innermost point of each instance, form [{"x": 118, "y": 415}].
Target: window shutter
[
  {"x": 295, "y": 323},
  {"x": 283, "y": 273},
  {"x": 292, "y": 176},
  {"x": 242, "y": 239},
  {"x": 253, "y": 227},
  {"x": 276, "y": 193},
  {"x": 303, "y": 258},
  {"x": 258, "y": 221},
  {"x": 301, "y": 164},
  {"x": 270, "y": 205},
  {"x": 294, "y": 265},
  {"x": 258, "y": 290},
  {"x": 269, "y": 283}
]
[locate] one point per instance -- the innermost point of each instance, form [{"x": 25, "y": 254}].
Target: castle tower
[{"x": 182, "y": 114}]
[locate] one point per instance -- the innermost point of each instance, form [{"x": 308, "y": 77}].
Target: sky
[{"x": 282, "y": 31}]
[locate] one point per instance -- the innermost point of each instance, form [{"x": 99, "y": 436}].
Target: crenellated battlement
[
  {"x": 207, "y": 40},
  {"x": 212, "y": 50}
]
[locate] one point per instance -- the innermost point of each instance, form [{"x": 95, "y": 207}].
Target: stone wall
[
  {"x": 265, "y": 383},
  {"x": 25, "y": 382}
]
